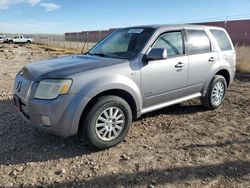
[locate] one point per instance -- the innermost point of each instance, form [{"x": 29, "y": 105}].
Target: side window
[
  {"x": 198, "y": 42},
  {"x": 222, "y": 39},
  {"x": 172, "y": 41}
]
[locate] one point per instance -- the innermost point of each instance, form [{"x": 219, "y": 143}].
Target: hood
[{"x": 65, "y": 66}]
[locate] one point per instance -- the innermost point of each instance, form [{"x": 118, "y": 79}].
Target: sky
[{"x": 60, "y": 16}]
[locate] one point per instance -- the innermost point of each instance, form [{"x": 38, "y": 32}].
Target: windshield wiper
[
  {"x": 104, "y": 55},
  {"x": 88, "y": 53},
  {"x": 99, "y": 54},
  {"x": 119, "y": 57}
]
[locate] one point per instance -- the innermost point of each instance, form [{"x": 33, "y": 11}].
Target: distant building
[
  {"x": 239, "y": 31},
  {"x": 88, "y": 36}
]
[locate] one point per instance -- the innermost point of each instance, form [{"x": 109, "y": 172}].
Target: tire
[
  {"x": 100, "y": 134},
  {"x": 11, "y": 42},
  {"x": 28, "y": 42},
  {"x": 216, "y": 93}
]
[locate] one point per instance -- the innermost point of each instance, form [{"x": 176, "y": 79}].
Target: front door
[{"x": 165, "y": 80}]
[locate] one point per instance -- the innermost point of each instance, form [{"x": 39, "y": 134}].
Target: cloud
[
  {"x": 5, "y": 4},
  {"x": 33, "y": 2},
  {"x": 50, "y": 6}
]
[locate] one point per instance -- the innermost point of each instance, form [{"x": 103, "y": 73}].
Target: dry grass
[
  {"x": 53, "y": 50},
  {"x": 243, "y": 59}
]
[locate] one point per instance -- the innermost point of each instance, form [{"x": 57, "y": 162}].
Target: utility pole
[{"x": 225, "y": 23}]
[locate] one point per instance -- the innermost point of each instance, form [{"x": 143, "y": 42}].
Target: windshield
[{"x": 123, "y": 44}]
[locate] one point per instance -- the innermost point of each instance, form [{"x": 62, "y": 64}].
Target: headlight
[{"x": 51, "y": 88}]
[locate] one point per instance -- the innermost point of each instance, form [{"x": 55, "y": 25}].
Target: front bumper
[{"x": 59, "y": 116}]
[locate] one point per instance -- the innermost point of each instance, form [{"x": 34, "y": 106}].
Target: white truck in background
[
  {"x": 2, "y": 38},
  {"x": 20, "y": 39}
]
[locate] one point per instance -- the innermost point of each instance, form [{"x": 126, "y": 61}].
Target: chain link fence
[
  {"x": 84, "y": 40},
  {"x": 59, "y": 41}
]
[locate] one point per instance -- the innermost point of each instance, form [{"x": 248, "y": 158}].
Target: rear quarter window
[
  {"x": 198, "y": 41},
  {"x": 222, "y": 39}
]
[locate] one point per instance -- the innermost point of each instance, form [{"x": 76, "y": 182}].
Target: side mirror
[{"x": 156, "y": 54}]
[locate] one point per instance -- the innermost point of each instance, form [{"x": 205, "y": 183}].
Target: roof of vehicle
[{"x": 176, "y": 26}]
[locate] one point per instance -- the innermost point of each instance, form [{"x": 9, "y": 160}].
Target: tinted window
[
  {"x": 172, "y": 41},
  {"x": 198, "y": 42},
  {"x": 221, "y": 39}
]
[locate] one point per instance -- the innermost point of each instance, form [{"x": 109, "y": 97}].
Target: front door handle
[
  {"x": 212, "y": 59},
  {"x": 179, "y": 65}
]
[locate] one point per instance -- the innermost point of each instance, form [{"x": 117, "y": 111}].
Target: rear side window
[
  {"x": 222, "y": 39},
  {"x": 198, "y": 42},
  {"x": 172, "y": 41}
]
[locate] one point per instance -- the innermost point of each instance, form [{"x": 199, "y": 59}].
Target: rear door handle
[
  {"x": 179, "y": 65},
  {"x": 212, "y": 59}
]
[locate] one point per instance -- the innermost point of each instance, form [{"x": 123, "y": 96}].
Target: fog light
[{"x": 45, "y": 120}]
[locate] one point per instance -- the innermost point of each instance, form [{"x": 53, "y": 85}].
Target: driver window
[{"x": 172, "y": 41}]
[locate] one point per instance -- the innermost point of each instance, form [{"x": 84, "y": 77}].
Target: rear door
[{"x": 201, "y": 58}]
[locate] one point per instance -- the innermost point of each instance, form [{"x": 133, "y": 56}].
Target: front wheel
[
  {"x": 216, "y": 93},
  {"x": 107, "y": 123}
]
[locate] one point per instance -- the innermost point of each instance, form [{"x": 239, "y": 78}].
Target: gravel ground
[{"x": 179, "y": 146}]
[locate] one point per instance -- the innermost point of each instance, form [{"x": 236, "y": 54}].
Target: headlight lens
[{"x": 51, "y": 88}]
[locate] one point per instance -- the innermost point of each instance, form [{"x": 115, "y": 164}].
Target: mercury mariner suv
[{"x": 131, "y": 72}]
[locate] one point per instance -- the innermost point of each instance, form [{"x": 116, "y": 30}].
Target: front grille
[
  {"x": 21, "y": 106},
  {"x": 22, "y": 86}
]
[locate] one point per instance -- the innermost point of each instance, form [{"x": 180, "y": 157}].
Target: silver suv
[{"x": 131, "y": 72}]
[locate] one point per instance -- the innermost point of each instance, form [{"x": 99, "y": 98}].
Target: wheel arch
[
  {"x": 127, "y": 96},
  {"x": 115, "y": 92},
  {"x": 223, "y": 71},
  {"x": 225, "y": 74}
]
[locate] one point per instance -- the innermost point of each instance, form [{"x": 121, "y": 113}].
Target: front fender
[{"x": 102, "y": 84}]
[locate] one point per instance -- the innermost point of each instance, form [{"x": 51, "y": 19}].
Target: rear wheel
[
  {"x": 11, "y": 42},
  {"x": 28, "y": 42},
  {"x": 216, "y": 93},
  {"x": 107, "y": 123}
]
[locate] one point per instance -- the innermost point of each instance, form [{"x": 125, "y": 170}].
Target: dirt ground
[{"x": 179, "y": 146}]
